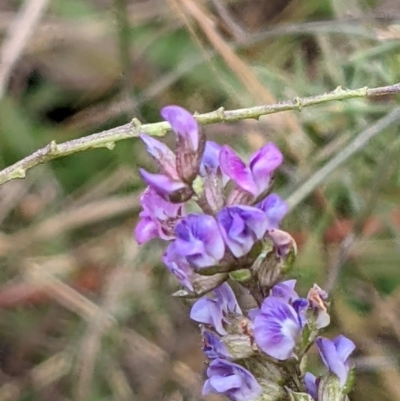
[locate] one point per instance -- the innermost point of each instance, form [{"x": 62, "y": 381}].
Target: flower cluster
[{"x": 235, "y": 235}]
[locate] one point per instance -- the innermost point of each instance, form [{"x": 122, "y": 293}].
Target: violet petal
[
  {"x": 231, "y": 380},
  {"x": 263, "y": 163},
  {"x": 161, "y": 183},
  {"x": 311, "y": 386},
  {"x": 241, "y": 226},
  {"x": 199, "y": 239},
  {"x": 145, "y": 230},
  {"x": 183, "y": 123},
  {"x": 236, "y": 170},
  {"x": 275, "y": 208}
]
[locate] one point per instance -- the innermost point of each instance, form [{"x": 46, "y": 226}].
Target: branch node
[
  {"x": 339, "y": 91},
  {"x": 298, "y": 103},
  {"x": 109, "y": 145},
  {"x": 221, "y": 113},
  {"x": 136, "y": 125},
  {"x": 52, "y": 148},
  {"x": 19, "y": 173}
]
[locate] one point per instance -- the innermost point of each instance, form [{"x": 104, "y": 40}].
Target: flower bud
[{"x": 191, "y": 142}]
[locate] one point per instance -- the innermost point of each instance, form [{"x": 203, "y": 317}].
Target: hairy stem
[{"x": 107, "y": 139}]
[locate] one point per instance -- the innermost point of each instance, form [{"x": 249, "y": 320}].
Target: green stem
[{"x": 107, "y": 139}]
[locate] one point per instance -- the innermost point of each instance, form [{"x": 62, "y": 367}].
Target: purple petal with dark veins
[
  {"x": 227, "y": 299},
  {"x": 277, "y": 328},
  {"x": 199, "y": 240},
  {"x": 241, "y": 226},
  {"x": 213, "y": 346}
]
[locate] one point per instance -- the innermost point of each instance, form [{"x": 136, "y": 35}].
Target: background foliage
[{"x": 85, "y": 313}]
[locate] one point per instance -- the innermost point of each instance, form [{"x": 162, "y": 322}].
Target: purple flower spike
[
  {"x": 213, "y": 347},
  {"x": 277, "y": 328},
  {"x": 241, "y": 227},
  {"x": 335, "y": 355},
  {"x": 184, "y": 124},
  {"x": 255, "y": 178},
  {"x": 158, "y": 217},
  {"x": 232, "y": 380},
  {"x": 161, "y": 183},
  {"x": 275, "y": 208},
  {"x": 213, "y": 311},
  {"x": 178, "y": 266},
  {"x": 285, "y": 291},
  {"x": 311, "y": 385},
  {"x": 199, "y": 240}
]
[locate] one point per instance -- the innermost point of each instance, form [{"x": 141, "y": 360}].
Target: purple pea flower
[
  {"x": 199, "y": 240},
  {"x": 213, "y": 346},
  {"x": 311, "y": 385},
  {"x": 178, "y": 266},
  {"x": 158, "y": 217},
  {"x": 256, "y": 177},
  {"x": 191, "y": 144},
  {"x": 275, "y": 209},
  {"x": 335, "y": 355},
  {"x": 232, "y": 380},
  {"x": 277, "y": 328},
  {"x": 241, "y": 226},
  {"x": 213, "y": 311}
]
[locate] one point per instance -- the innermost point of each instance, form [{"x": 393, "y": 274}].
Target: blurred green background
[{"x": 86, "y": 314}]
